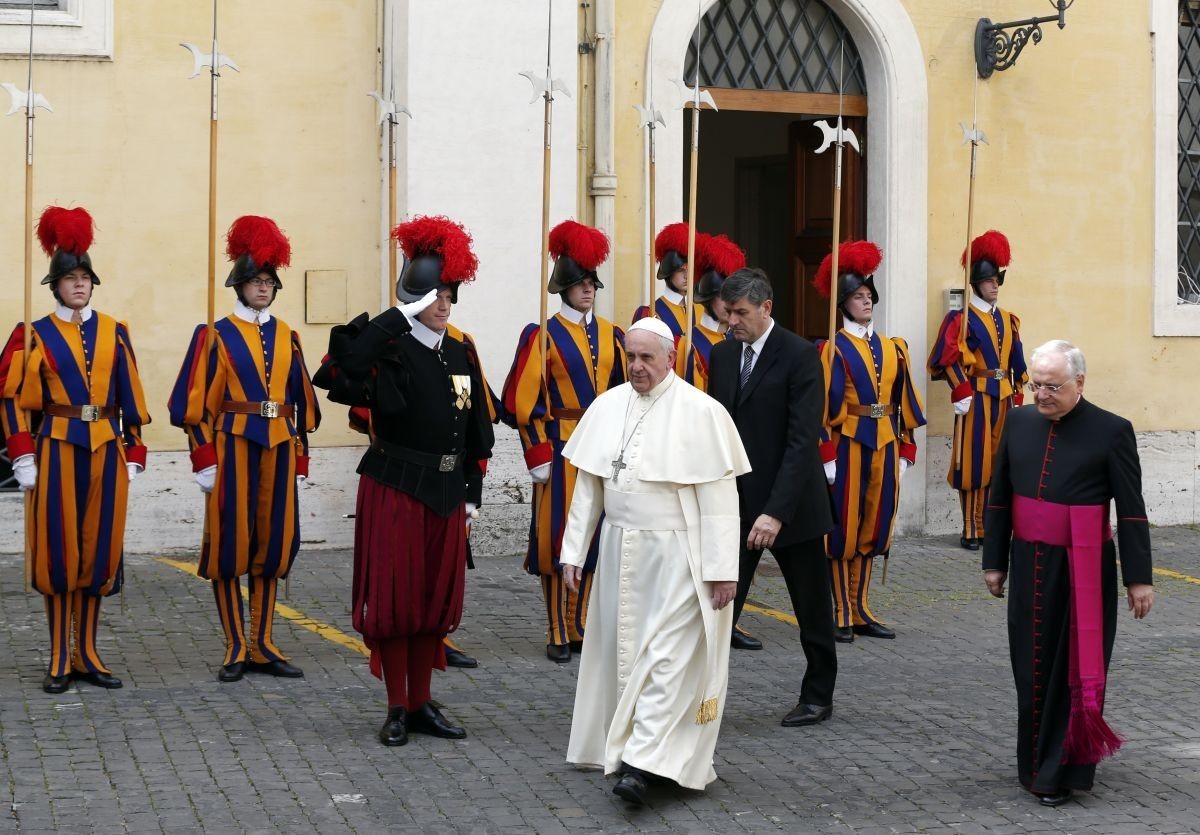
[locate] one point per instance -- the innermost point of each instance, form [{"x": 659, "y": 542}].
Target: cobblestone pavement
[{"x": 920, "y": 741}]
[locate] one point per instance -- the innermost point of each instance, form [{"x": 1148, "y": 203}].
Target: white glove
[
  {"x": 300, "y": 479},
  {"x": 411, "y": 309},
  {"x": 25, "y": 469},
  {"x": 207, "y": 478},
  {"x": 904, "y": 465},
  {"x": 961, "y": 407},
  {"x": 831, "y": 471},
  {"x": 133, "y": 470},
  {"x": 472, "y": 514},
  {"x": 540, "y": 474}
]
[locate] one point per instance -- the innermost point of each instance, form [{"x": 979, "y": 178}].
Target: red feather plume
[
  {"x": 67, "y": 229},
  {"x": 438, "y": 235},
  {"x": 584, "y": 245},
  {"x": 990, "y": 246},
  {"x": 261, "y": 239},
  {"x": 672, "y": 237},
  {"x": 861, "y": 257},
  {"x": 717, "y": 252}
]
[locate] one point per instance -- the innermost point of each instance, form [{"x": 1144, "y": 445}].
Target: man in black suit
[{"x": 771, "y": 382}]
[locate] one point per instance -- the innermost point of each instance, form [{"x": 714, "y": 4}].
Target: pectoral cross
[{"x": 618, "y": 465}]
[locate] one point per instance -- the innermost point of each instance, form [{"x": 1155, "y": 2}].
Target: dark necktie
[{"x": 747, "y": 364}]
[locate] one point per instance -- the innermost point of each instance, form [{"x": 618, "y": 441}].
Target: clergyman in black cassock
[{"x": 1057, "y": 463}]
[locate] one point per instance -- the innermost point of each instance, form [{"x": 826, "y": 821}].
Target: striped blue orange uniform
[
  {"x": 251, "y": 523},
  {"x": 694, "y": 367},
  {"x": 873, "y": 408},
  {"x": 584, "y": 361},
  {"x": 992, "y": 375},
  {"x": 671, "y": 308},
  {"x": 76, "y": 529}
]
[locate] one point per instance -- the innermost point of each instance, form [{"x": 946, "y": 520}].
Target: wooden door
[{"x": 811, "y": 216}]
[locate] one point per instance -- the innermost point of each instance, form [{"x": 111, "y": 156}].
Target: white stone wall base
[{"x": 166, "y": 512}]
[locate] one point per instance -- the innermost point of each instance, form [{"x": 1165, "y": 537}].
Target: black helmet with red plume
[
  {"x": 857, "y": 262},
  {"x": 717, "y": 258},
  {"x": 66, "y": 236},
  {"x": 578, "y": 250},
  {"x": 437, "y": 254},
  {"x": 670, "y": 249},
  {"x": 990, "y": 255},
  {"x": 256, "y": 245}
]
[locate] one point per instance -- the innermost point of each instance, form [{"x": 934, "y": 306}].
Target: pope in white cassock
[{"x": 660, "y": 459}]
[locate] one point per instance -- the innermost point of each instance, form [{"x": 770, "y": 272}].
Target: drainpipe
[{"x": 604, "y": 178}]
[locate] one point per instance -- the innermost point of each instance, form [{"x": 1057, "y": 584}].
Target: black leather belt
[{"x": 441, "y": 463}]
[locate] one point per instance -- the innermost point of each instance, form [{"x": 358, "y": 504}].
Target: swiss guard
[
  {"x": 717, "y": 258},
  {"x": 986, "y": 376},
  {"x": 586, "y": 358},
  {"x": 247, "y": 405},
  {"x": 73, "y": 410},
  {"x": 422, "y": 476},
  {"x": 670, "y": 250},
  {"x": 874, "y": 407}
]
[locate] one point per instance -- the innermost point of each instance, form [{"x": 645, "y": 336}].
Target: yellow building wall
[
  {"x": 1067, "y": 176},
  {"x": 128, "y": 140}
]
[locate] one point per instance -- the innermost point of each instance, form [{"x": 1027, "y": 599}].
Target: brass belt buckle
[
  {"x": 448, "y": 463},
  {"x": 998, "y": 374},
  {"x": 878, "y": 410},
  {"x": 268, "y": 409},
  {"x": 89, "y": 414}
]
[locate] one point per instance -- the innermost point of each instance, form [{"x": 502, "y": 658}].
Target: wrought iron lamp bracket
[{"x": 996, "y": 49}]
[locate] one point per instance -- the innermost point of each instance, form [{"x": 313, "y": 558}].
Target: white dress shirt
[{"x": 757, "y": 345}]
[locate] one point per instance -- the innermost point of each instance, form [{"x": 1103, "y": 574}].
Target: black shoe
[
  {"x": 969, "y": 544},
  {"x": 874, "y": 630},
  {"x": 843, "y": 635},
  {"x": 1057, "y": 799},
  {"x": 232, "y": 672},
  {"x": 429, "y": 720},
  {"x": 56, "y": 684},
  {"x": 282, "y": 669},
  {"x": 632, "y": 787},
  {"x": 743, "y": 640},
  {"x": 106, "y": 680},
  {"x": 394, "y": 731},
  {"x": 458, "y": 658},
  {"x": 576, "y": 647},
  {"x": 803, "y": 714},
  {"x": 558, "y": 653}
]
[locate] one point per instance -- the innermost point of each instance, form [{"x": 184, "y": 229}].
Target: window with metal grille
[
  {"x": 1189, "y": 152},
  {"x": 790, "y": 45}
]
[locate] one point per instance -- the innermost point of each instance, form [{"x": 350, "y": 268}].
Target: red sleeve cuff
[
  {"x": 203, "y": 457},
  {"x": 828, "y": 451},
  {"x": 136, "y": 455},
  {"x": 909, "y": 453},
  {"x": 538, "y": 455},
  {"x": 483, "y": 466},
  {"x": 20, "y": 444},
  {"x": 302, "y": 465},
  {"x": 963, "y": 389}
]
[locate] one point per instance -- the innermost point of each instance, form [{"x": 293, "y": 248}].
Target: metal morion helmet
[
  {"x": 670, "y": 249},
  {"x": 256, "y": 245},
  {"x": 66, "y": 235},
  {"x": 990, "y": 255},
  {"x": 857, "y": 262},
  {"x": 578, "y": 250},
  {"x": 717, "y": 258},
  {"x": 437, "y": 253}
]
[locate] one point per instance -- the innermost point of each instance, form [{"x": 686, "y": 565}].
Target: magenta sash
[{"x": 1082, "y": 530}]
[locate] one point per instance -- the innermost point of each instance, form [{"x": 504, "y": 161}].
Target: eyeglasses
[
  {"x": 1046, "y": 387},
  {"x": 262, "y": 282}
]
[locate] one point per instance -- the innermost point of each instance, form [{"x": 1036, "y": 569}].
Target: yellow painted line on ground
[
  {"x": 771, "y": 613},
  {"x": 1166, "y": 572},
  {"x": 329, "y": 633}
]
